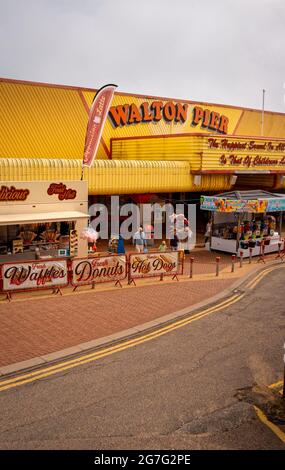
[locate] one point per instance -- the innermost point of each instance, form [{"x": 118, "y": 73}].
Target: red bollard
[
  {"x": 191, "y": 267},
  {"x": 240, "y": 259},
  {"x": 217, "y": 265},
  {"x": 233, "y": 262}
]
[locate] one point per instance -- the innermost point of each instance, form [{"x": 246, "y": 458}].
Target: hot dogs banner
[
  {"x": 154, "y": 264},
  {"x": 61, "y": 272}
]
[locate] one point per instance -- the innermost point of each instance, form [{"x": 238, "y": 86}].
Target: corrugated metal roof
[{"x": 114, "y": 176}]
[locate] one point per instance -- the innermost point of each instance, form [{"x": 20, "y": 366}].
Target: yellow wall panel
[
  {"x": 250, "y": 124},
  {"x": 43, "y": 122}
]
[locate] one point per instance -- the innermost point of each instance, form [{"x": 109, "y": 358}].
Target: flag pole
[{"x": 262, "y": 114}]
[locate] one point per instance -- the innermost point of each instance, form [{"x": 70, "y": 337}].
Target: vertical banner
[{"x": 97, "y": 117}]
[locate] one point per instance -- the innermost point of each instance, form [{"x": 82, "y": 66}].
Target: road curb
[{"x": 97, "y": 344}]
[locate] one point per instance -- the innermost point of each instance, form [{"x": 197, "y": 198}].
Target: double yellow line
[
  {"x": 253, "y": 283},
  {"x": 91, "y": 357}
]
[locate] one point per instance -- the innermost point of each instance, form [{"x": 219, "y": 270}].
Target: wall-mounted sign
[
  {"x": 13, "y": 194},
  {"x": 154, "y": 264},
  {"x": 211, "y": 120},
  {"x": 249, "y": 153},
  {"x": 38, "y": 274},
  {"x": 61, "y": 191},
  {"x": 103, "y": 269},
  {"x": 153, "y": 112}
]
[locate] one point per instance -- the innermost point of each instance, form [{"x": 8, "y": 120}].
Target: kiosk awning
[
  {"x": 244, "y": 201},
  {"x": 14, "y": 219}
]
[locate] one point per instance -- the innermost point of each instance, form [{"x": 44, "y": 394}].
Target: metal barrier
[{"x": 57, "y": 273}]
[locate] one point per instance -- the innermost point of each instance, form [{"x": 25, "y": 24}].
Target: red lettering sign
[
  {"x": 61, "y": 191},
  {"x": 13, "y": 194},
  {"x": 98, "y": 270},
  {"x": 21, "y": 276}
]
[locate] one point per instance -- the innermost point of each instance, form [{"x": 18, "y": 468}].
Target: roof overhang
[{"x": 15, "y": 219}]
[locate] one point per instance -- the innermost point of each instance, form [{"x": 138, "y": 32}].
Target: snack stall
[
  {"x": 247, "y": 221},
  {"x": 42, "y": 220}
]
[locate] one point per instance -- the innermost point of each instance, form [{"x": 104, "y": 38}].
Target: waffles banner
[
  {"x": 34, "y": 275},
  {"x": 154, "y": 264},
  {"x": 103, "y": 269}
]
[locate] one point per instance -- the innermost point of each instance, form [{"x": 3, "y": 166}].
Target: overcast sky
[{"x": 221, "y": 51}]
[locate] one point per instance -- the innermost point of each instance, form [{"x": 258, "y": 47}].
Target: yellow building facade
[{"x": 149, "y": 144}]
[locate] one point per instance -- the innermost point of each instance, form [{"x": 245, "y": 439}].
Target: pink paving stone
[{"x": 40, "y": 326}]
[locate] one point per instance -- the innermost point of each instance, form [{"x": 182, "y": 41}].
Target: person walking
[
  {"x": 140, "y": 240},
  {"x": 121, "y": 246},
  {"x": 208, "y": 231},
  {"x": 174, "y": 242}
]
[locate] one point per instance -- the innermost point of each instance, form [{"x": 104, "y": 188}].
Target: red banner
[{"x": 97, "y": 117}]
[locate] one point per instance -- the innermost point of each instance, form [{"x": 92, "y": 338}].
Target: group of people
[{"x": 141, "y": 243}]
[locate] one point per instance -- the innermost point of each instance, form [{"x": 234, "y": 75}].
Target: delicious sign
[
  {"x": 105, "y": 269},
  {"x": 154, "y": 264},
  {"x": 31, "y": 275},
  {"x": 13, "y": 194}
]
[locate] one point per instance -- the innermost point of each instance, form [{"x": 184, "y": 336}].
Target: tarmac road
[{"x": 175, "y": 391}]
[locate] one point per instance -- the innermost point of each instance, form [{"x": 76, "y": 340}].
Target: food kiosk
[
  {"x": 245, "y": 221},
  {"x": 42, "y": 219}
]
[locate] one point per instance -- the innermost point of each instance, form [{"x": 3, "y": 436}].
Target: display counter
[{"x": 231, "y": 246}]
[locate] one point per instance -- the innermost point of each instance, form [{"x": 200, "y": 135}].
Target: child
[{"x": 162, "y": 247}]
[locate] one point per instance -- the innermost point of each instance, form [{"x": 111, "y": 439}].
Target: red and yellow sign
[
  {"x": 242, "y": 154},
  {"x": 122, "y": 115}
]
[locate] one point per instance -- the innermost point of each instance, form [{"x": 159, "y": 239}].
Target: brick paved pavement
[
  {"x": 39, "y": 326},
  {"x": 31, "y": 327}
]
